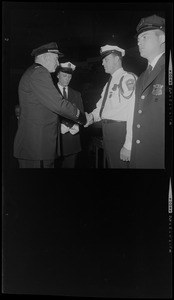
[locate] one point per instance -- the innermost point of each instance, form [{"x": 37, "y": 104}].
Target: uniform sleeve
[
  {"x": 128, "y": 139},
  {"x": 129, "y": 84},
  {"x": 47, "y": 94},
  {"x": 96, "y": 111}
]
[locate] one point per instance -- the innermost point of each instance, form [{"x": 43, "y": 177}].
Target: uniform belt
[{"x": 106, "y": 121}]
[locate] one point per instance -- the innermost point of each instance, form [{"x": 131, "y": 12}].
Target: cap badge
[{"x": 141, "y": 23}]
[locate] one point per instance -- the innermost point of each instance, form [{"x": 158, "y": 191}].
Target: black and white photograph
[{"x": 87, "y": 94}]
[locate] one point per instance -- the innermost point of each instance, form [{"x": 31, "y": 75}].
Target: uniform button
[
  {"x": 138, "y": 141},
  {"x": 142, "y": 97},
  {"x": 138, "y": 126},
  {"x": 140, "y": 111}
]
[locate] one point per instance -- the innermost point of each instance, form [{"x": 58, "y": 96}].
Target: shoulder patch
[{"x": 130, "y": 83}]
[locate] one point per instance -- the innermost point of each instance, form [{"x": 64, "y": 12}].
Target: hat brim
[
  {"x": 106, "y": 53},
  {"x": 65, "y": 70},
  {"x": 43, "y": 51},
  {"x": 147, "y": 28}
]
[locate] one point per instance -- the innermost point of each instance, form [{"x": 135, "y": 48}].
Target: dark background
[{"x": 85, "y": 232}]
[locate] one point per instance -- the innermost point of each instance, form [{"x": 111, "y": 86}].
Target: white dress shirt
[
  {"x": 119, "y": 105},
  {"x": 61, "y": 89}
]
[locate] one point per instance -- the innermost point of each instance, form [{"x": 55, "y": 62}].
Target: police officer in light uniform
[
  {"x": 115, "y": 108},
  {"x": 35, "y": 143},
  {"x": 149, "y": 114},
  {"x": 70, "y": 131}
]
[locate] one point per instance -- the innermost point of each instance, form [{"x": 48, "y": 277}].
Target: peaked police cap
[{"x": 47, "y": 48}]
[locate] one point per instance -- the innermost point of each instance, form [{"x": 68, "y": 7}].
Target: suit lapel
[
  {"x": 69, "y": 93},
  {"x": 59, "y": 90},
  {"x": 155, "y": 72},
  {"x": 71, "y": 96}
]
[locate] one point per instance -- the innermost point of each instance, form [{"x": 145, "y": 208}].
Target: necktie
[
  {"x": 105, "y": 96},
  {"x": 64, "y": 93}
]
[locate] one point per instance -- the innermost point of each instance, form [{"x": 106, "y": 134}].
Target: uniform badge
[
  {"x": 157, "y": 89},
  {"x": 114, "y": 87},
  {"x": 110, "y": 95},
  {"x": 113, "y": 90}
]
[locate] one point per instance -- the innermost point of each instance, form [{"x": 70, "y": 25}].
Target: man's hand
[
  {"x": 74, "y": 129},
  {"x": 90, "y": 119},
  {"x": 64, "y": 129},
  {"x": 125, "y": 154}
]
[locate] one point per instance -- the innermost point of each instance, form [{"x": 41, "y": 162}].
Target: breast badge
[
  {"x": 157, "y": 89},
  {"x": 115, "y": 87}
]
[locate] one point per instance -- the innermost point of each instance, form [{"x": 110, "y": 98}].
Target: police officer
[
  {"x": 35, "y": 143},
  {"x": 70, "y": 131},
  {"x": 115, "y": 108},
  {"x": 149, "y": 114}
]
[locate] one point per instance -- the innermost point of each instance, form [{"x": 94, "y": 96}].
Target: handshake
[{"x": 75, "y": 128}]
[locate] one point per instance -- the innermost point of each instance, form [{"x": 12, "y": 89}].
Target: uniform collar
[
  {"x": 61, "y": 87},
  {"x": 117, "y": 72},
  {"x": 154, "y": 62}
]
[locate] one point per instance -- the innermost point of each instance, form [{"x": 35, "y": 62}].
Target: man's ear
[{"x": 162, "y": 38}]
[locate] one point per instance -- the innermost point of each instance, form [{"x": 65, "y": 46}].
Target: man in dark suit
[
  {"x": 149, "y": 112},
  {"x": 70, "y": 132},
  {"x": 36, "y": 143}
]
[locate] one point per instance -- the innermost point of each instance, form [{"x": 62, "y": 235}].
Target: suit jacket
[
  {"x": 40, "y": 103},
  {"x": 71, "y": 144},
  {"x": 148, "y": 142}
]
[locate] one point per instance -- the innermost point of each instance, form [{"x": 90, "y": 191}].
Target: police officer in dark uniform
[
  {"x": 70, "y": 131},
  {"x": 35, "y": 143},
  {"x": 149, "y": 112}
]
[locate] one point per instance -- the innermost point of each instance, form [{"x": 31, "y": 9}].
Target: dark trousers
[
  {"x": 23, "y": 163},
  {"x": 114, "y": 134},
  {"x": 69, "y": 161}
]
